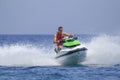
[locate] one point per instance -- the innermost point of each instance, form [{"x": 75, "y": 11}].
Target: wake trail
[
  {"x": 26, "y": 55},
  {"x": 103, "y": 50}
]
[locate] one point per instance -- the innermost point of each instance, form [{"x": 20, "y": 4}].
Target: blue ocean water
[{"x": 31, "y": 57}]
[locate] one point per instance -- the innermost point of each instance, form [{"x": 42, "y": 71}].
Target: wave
[
  {"x": 26, "y": 55},
  {"x": 103, "y": 50}
]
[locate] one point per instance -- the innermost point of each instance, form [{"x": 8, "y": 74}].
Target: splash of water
[
  {"x": 26, "y": 55},
  {"x": 103, "y": 50}
]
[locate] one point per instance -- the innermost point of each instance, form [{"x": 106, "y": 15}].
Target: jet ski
[{"x": 72, "y": 52}]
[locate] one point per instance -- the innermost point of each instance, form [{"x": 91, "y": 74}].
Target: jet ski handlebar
[{"x": 70, "y": 38}]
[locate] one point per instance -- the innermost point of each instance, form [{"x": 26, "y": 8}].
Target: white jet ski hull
[{"x": 71, "y": 56}]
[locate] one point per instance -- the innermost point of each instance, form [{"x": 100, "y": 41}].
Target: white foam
[
  {"x": 26, "y": 55},
  {"x": 103, "y": 50}
]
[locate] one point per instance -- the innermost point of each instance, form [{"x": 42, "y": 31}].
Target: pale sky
[{"x": 44, "y": 16}]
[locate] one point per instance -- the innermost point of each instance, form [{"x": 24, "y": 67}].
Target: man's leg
[{"x": 58, "y": 49}]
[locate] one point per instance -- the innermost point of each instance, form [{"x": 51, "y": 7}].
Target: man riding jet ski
[
  {"x": 59, "y": 36},
  {"x": 72, "y": 52}
]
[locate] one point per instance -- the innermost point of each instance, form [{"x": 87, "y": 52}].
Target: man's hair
[{"x": 60, "y": 27}]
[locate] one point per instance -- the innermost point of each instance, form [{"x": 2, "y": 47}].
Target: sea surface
[{"x": 32, "y": 57}]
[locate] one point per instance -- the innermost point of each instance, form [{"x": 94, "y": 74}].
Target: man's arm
[
  {"x": 66, "y": 34},
  {"x": 54, "y": 39}
]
